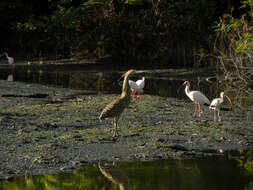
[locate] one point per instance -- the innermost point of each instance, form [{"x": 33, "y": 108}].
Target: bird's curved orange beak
[{"x": 228, "y": 99}]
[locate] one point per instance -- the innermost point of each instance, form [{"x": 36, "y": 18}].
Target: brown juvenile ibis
[{"x": 117, "y": 106}]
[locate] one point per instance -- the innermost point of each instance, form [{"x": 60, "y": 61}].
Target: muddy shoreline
[{"x": 50, "y": 130}]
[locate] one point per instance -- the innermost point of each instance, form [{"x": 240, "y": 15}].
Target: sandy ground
[{"x": 50, "y": 130}]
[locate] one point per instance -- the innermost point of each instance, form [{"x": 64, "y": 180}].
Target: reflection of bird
[
  {"x": 10, "y": 78},
  {"x": 10, "y": 59},
  {"x": 115, "y": 175},
  {"x": 216, "y": 105},
  {"x": 137, "y": 86},
  {"x": 197, "y": 97},
  {"x": 117, "y": 106}
]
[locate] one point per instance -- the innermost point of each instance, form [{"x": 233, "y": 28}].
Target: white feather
[
  {"x": 10, "y": 59},
  {"x": 138, "y": 85},
  {"x": 196, "y": 96},
  {"x": 215, "y": 102}
]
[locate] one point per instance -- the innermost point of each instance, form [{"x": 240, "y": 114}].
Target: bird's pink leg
[
  {"x": 219, "y": 117},
  {"x": 133, "y": 93},
  {"x": 139, "y": 94},
  {"x": 115, "y": 122},
  {"x": 200, "y": 111},
  {"x": 214, "y": 116},
  {"x": 196, "y": 108}
]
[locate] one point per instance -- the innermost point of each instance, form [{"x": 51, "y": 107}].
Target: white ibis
[
  {"x": 117, "y": 106},
  {"x": 197, "y": 97},
  {"x": 10, "y": 59},
  {"x": 216, "y": 105},
  {"x": 137, "y": 86}
]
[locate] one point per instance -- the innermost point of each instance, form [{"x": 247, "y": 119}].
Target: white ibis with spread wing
[{"x": 137, "y": 86}]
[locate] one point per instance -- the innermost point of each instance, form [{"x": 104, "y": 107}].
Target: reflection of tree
[
  {"x": 95, "y": 81},
  {"x": 87, "y": 178},
  {"x": 172, "y": 174},
  {"x": 115, "y": 175},
  {"x": 247, "y": 163}
]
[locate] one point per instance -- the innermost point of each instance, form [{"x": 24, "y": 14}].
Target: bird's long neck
[
  {"x": 187, "y": 89},
  {"x": 126, "y": 91},
  {"x": 221, "y": 99}
]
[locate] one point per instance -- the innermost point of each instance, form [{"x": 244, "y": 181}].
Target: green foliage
[
  {"x": 126, "y": 30},
  {"x": 245, "y": 44},
  {"x": 233, "y": 50},
  {"x": 146, "y": 33},
  {"x": 238, "y": 31},
  {"x": 247, "y": 163}
]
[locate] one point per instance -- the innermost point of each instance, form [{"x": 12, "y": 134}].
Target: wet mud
[{"x": 50, "y": 130}]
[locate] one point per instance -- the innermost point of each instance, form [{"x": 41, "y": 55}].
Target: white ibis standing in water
[
  {"x": 137, "y": 86},
  {"x": 197, "y": 97},
  {"x": 117, "y": 106},
  {"x": 216, "y": 105}
]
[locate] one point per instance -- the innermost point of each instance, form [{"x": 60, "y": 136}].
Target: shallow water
[
  {"x": 165, "y": 82},
  {"x": 171, "y": 174}
]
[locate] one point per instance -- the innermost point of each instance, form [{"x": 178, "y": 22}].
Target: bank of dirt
[{"x": 49, "y": 130}]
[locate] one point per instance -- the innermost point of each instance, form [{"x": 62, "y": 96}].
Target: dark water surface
[
  {"x": 161, "y": 82},
  {"x": 208, "y": 174}
]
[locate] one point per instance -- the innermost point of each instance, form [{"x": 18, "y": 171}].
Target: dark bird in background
[{"x": 117, "y": 106}]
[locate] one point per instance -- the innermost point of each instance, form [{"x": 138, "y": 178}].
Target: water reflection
[
  {"x": 158, "y": 82},
  {"x": 114, "y": 174},
  {"x": 10, "y": 78},
  {"x": 195, "y": 174}
]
